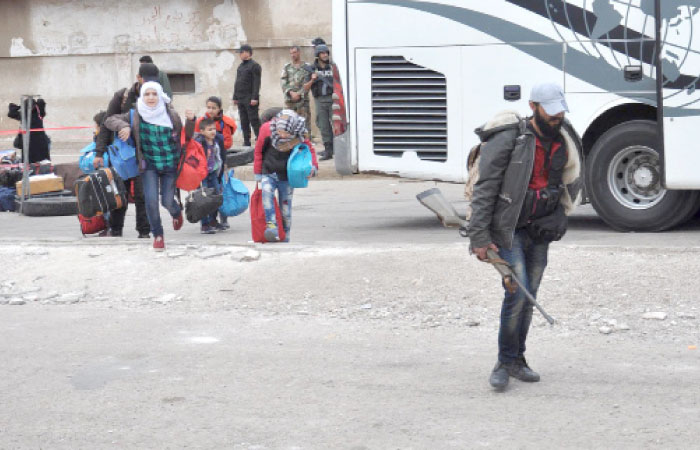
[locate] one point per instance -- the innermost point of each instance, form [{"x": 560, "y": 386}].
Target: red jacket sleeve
[
  {"x": 228, "y": 131},
  {"x": 259, "y": 144},
  {"x": 313, "y": 153}
]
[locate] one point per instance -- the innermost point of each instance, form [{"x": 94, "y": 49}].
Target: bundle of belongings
[{"x": 42, "y": 179}]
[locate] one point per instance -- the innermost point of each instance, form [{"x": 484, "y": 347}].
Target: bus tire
[{"x": 623, "y": 179}]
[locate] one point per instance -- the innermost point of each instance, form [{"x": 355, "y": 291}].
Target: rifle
[
  {"x": 509, "y": 277},
  {"x": 437, "y": 203}
]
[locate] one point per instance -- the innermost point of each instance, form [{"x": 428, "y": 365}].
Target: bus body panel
[{"x": 600, "y": 45}]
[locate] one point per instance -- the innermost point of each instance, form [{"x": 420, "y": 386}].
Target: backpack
[
  {"x": 473, "y": 160},
  {"x": 87, "y": 156},
  {"x": 192, "y": 168},
  {"x": 236, "y": 196},
  {"x": 123, "y": 155},
  {"x": 299, "y": 166}
]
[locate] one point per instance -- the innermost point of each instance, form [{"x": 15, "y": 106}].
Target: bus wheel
[{"x": 623, "y": 178}]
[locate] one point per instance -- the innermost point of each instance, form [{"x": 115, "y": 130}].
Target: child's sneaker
[
  {"x": 222, "y": 226},
  {"x": 159, "y": 244},
  {"x": 271, "y": 234},
  {"x": 207, "y": 229}
]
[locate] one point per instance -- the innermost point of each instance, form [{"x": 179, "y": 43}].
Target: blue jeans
[
  {"x": 270, "y": 182},
  {"x": 154, "y": 182},
  {"x": 211, "y": 181},
  {"x": 528, "y": 261}
]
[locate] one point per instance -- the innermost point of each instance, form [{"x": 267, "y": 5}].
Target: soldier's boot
[{"x": 328, "y": 152}]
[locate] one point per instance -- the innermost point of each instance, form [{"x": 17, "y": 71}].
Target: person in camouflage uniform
[{"x": 294, "y": 75}]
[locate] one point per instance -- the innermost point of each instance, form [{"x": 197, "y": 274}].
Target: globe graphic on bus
[{"x": 681, "y": 64}]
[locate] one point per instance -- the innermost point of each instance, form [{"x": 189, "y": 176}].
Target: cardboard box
[{"x": 40, "y": 184}]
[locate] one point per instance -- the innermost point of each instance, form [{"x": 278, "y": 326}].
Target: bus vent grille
[{"x": 409, "y": 109}]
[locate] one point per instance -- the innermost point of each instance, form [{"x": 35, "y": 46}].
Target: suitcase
[
  {"x": 100, "y": 192},
  {"x": 92, "y": 225},
  {"x": 257, "y": 217}
]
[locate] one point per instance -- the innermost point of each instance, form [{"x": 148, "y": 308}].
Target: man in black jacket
[
  {"x": 528, "y": 182},
  {"x": 122, "y": 101},
  {"x": 246, "y": 93}
]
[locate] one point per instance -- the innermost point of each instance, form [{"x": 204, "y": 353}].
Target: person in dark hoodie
[
  {"x": 39, "y": 142},
  {"x": 123, "y": 101}
]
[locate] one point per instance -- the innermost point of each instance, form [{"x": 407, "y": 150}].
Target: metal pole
[{"x": 26, "y": 115}]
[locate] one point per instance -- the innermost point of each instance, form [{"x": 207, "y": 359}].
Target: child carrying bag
[
  {"x": 123, "y": 155},
  {"x": 299, "y": 166},
  {"x": 236, "y": 196},
  {"x": 257, "y": 217}
]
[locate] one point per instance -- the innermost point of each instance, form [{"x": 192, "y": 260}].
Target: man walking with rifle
[{"x": 528, "y": 182}]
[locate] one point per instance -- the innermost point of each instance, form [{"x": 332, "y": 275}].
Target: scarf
[
  {"x": 290, "y": 122},
  {"x": 157, "y": 115}
]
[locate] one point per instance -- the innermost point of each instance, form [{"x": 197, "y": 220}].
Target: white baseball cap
[{"x": 550, "y": 96}]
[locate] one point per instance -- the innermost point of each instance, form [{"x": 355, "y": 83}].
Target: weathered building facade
[{"x": 75, "y": 54}]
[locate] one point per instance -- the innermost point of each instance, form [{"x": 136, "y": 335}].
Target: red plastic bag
[
  {"x": 193, "y": 167},
  {"x": 257, "y": 217}
]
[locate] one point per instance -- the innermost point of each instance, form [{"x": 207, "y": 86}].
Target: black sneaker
[
  {"x": 144, "y": 235},
  {"x": 110, "y": 233},
  {"x": 520, "y": 370},
  {"x": 499, "y": 376}
]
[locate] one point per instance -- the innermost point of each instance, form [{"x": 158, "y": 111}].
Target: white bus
[{"x": 421, "y": 75}]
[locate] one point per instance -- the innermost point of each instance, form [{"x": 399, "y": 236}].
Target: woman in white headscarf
[{"x": 155, "y": 128}]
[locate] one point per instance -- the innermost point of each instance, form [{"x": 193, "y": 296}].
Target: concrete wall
[{"x": 75, "y": 54}]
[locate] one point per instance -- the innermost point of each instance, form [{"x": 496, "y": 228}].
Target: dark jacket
[
  {"x": 119, "y": 104},
  {"x": 165, "y": 83},
  {"x": 117, "y": 122},
  {"x": 247, "y": 86},
  {"x": 323, "y": 85},
  {"x": 39, "y": 142},
  {"x": 505, "y": 169},
  {"x": 269, "y": 160}
]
